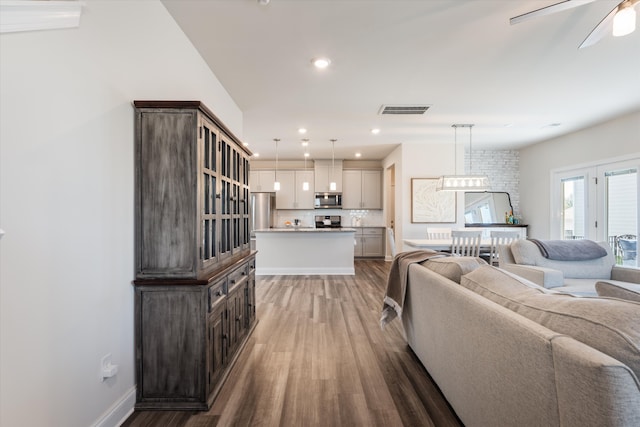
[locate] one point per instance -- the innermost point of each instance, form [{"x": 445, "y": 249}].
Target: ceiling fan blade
[
  {"x": 602, "y": 29},
  {"x": 556, "y": 7}
]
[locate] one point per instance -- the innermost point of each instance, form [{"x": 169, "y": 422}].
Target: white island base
[{"x": 303, "y": 251}]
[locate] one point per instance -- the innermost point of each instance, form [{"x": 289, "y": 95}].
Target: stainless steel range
[{"x": 328, "y": 221}]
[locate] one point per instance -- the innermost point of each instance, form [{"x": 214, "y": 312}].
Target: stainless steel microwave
[{"x": 328, "y": 201}]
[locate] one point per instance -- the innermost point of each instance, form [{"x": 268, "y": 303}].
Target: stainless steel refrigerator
[{"x": 263, "y": 207}]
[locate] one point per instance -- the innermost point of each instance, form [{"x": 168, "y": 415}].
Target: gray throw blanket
[
  {"x": 570, "y": 250},
  {"x": 397, "y": 282}
]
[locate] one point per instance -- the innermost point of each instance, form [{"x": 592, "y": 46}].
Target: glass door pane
[
  {"x": 621, "y": 188},
  {"x": 573, "y": 208}
]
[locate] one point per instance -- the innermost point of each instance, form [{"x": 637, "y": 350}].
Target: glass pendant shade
[
  {"x": 276, "y": 183},
  {"x": 624, "y": 21},
  {"x": 463, "y": 183},
  {"x": 332, "y": 185}
]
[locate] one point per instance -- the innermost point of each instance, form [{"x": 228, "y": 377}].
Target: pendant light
[
  {"x": 332, "y": 185},
  {"x": 624, "y": 21},
  {"x": 463, "y": 182},
  {"x": 276, "y": 183},
  {"x": 305, "y": 183}
]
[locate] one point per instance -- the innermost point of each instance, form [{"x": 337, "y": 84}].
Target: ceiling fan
[{"x": 619, "y": 22}]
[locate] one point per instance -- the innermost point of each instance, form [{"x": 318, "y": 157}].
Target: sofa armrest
[
  {"x": 625, "y": 274},
  {"x": 592, "y": 387},
  {"x": 543, "y": 276}
]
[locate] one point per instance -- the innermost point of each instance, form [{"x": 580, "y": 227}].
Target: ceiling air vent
[{"x": 403, "y": 109}]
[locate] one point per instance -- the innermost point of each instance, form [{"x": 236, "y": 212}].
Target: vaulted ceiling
[{"x": 517, "y": 84}]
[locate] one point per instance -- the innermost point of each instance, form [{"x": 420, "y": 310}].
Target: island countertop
[{"x": 305, "y": 230}]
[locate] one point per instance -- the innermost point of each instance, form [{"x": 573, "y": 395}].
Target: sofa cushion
[
  {"x": 606, "y": 324},
  {"x": 527, "y": 253},
  {"x": 621, "y": 290},
  {"x": 454, "y": 267}
]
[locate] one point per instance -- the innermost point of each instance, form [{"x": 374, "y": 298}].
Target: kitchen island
[{"x": 301, "y": 251}]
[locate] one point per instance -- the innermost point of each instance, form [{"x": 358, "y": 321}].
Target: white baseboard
[{"x": 119, "y": 412}]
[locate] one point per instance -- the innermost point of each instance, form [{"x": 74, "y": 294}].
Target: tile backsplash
[{"x": 368, "y": 218}]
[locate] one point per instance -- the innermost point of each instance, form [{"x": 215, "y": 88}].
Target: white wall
[
  {"x": 66, "y": 202},
  {"x": 609, "y": 140},
  {"x": 429, "y": 159},
  {"x": 503, "y": 169}
]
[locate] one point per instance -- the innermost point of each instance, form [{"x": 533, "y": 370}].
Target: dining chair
[
  {"x": 465, "y": 243},
  {"x": 499, "y": 238},
  {"x": 438, "y": 233}
]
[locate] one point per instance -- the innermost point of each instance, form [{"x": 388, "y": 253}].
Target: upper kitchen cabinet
[
  {"x": 362, "y": 189},
  {"x": 191, "y": 190},
  {"x": 325, "y": 172},
  {"x": 261, "y": 181},
  {"x": 291, "y": 194}
]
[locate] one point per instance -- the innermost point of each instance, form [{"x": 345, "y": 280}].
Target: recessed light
[
  {"x": 256, "y": 154},
  {"x": 375, "y": 131},
  {"x": 306, "y": 154},
  {"x": 358, "y": 154},
  {"x": 321, "y": 62},
  {"x": 302, "y": 130}
]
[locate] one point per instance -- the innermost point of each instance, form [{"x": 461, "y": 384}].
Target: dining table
[{"x": 442, "y": 244}]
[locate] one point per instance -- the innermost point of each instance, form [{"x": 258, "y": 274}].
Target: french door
[{"x": 601, "y": 203}]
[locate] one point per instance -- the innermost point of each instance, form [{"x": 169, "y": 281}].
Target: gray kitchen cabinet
[
  {"x": 261, "y": 181},
  {"x": 192, "y": 254},
  {"x": 325, "y": 172},
  {"x": 362, "y": 189},
  {"x": 291, "y": 194},
  {"x": 369, "y": 242}
]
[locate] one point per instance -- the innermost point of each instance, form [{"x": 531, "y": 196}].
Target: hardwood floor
[{"x": 319, "y": 358}]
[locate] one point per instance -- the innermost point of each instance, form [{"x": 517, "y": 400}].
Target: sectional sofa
[
  {"x": 507, "y": 352},
  {"x": 577, "y": 277}
]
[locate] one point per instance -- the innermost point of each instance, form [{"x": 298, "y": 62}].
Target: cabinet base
[{"x": 191, "y": 405}]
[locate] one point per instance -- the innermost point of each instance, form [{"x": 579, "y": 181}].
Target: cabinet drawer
[
  {"x": 373, "y": 231},
  {"x": 239, "y": 275},
  {"x": 216, "y": 295}
]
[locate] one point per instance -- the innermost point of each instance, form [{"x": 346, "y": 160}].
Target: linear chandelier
[{"x": 463, "y": 182}]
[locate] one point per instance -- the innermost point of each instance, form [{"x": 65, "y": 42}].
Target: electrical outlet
[{"x": 107, "y": 369}]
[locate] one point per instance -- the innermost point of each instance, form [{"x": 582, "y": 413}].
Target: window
[{"x": 599, "y": 203}]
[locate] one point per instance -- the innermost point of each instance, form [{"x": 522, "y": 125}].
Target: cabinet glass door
[{"x": 208, "y": 138}]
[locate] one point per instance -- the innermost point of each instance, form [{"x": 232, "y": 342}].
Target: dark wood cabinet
[
  {"x": 195, "y": 271},
  {"x": 192, "y": 198}
]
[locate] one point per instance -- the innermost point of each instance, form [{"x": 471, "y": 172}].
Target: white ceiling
[{"x": 461, "y": 57}]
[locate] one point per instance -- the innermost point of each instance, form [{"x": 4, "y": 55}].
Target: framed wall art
[{"x": 429, "y": 205}]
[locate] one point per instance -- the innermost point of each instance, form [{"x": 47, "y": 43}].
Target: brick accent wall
[{"x": 503, "y": 169}]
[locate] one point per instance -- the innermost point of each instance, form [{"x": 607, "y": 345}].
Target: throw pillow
[{"x": 453, "y": 268}]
